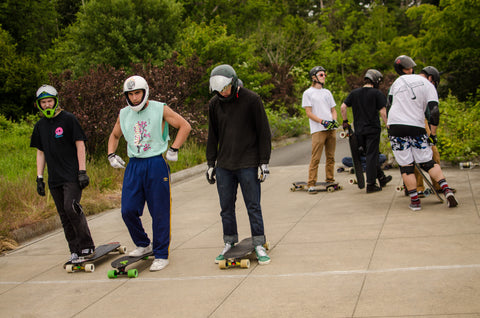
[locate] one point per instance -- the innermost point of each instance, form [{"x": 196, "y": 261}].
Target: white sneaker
[
  {"x": 139, "y": 251},
  {"x": 159, "y": 264},
  {"x": 220, "y": 257},
  {"x": 73, "y": 257},
  {"x": 262, "y": 256}
]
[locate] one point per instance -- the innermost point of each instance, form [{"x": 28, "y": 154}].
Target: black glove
[
  {"x": 432, "y": 140},
  {"x": 345, "y": 124},
  {"x": 83, "y": 179},
  {"x": 210, "y": 174},
  {"x": 40, "y": 186}
]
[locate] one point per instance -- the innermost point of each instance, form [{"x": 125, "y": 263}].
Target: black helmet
[
  {"x": 374, "y": 76},
  {"x": 315, "y": 70},
  {"x": 434, "y": 73},
  {"x": 402, "y": 62},
  {"x": 222, "y": 76}
]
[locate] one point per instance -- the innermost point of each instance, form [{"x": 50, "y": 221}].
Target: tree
[
  {"x": 117, "y": 33},
  {"x": 20, "y": 76},
  {"x": 450, "y": 43}
]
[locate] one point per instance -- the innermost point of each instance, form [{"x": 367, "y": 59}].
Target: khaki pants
[{"x": 322, "y": 139}]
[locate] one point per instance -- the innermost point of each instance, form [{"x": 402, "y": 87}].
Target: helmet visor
[{"x": 218, "y": 83}]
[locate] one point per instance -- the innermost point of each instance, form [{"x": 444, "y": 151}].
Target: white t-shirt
[
  {"x": 411, "y": 94},
  {"x": 321, "y": 100}
]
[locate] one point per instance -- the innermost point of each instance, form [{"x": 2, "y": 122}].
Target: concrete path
[{"x": 341, "y": 254}]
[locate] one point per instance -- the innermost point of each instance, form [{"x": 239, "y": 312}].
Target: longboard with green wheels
[
  {"x": 120, "y": 266},
  {"x": 86, "y": 263}
]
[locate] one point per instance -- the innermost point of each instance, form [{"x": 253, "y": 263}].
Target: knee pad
[
  {"x": 427, "y": 165},
  {"x": 407, "y": 169}
]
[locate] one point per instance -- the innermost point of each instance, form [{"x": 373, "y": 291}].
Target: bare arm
[
  {"x": 115, "y": 137},
  {"x": 177, "y": 121},
  {"x": 40, "y": 162},
  {"x": 334, "y": 113},
  {"x": 81, "y": 154},
  {"x": 383, "y": 114},
  {"x": 343, "y": 109}
]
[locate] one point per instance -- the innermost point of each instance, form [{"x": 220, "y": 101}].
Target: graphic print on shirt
[
  {"x": 59, "y": 132},
  {"x": 141, "y": 134}
]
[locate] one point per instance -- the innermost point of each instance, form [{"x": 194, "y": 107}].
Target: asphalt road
[{"x": 299, "y": 153}]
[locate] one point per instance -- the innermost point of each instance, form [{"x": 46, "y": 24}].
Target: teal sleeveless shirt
[{"x": 143, "y": 130}]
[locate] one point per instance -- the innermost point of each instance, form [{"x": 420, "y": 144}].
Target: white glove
[
  {"x": 210, "y": 174},
  {"x": 172, "y": 154},
  {"x": 116, "y": 161},
  {"x": 263, "y": 172}
]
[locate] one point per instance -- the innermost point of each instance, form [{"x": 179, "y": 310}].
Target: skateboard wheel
[
  {"x": 112, "y": 273},
  {"x": 343, "y": 134},
  {"x": 245, "y": 263},
  {"x": 132, "y": 273},
  {"x": 222, "y": 264},
  {"x": 292, "y": 189},
  {"x": 352, "y": 181},
  {"x": 267, "y": 245},
  {"x": 89, "y": 268},
  {"x": 331, "y": 189},
  {"x": 122, "y": 249},
  {"x": 399, "y": 188},
  {"x": 69, "y": 268}
]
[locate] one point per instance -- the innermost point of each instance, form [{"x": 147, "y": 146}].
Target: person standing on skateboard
[
  {"x": 320, "y": 108},
  {"x": 144, "y": 125},
  {"x": 238, "y": 152},
  {"x": 60, "y": 143},
  {"x": 366, "y": 103},
  {"x": 411, "y": 96}
]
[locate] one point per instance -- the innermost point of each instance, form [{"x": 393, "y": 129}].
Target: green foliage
[
  {"x": 458, "y": 137},
  {"x": 284, "y": 125},
  {"x": 449, "y": 40},
  {"x": 20, "y": 79},
  {"x": 117, "y": 32}
]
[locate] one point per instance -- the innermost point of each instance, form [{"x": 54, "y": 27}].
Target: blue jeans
[{"x": 227, "y": 185}]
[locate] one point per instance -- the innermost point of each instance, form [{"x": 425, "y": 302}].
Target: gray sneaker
[
  {"x": 159, "y": 264},
  {"x": 227, "y": 247},
  {"x": 73, "y": 257}
]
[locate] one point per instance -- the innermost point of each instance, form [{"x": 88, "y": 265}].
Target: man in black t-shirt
[
  {"x": 367, "y": 102},
  {"x": 60, "y": 143}
]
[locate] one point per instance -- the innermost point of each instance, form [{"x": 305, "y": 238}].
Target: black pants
[
  {"x": 371, "y": 146},
  {"x": 73, "y": 219}
]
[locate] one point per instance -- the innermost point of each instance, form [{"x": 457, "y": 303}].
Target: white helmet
[
  {"x": 134, "y": 83},
  {"x": 47, "y": 91}
]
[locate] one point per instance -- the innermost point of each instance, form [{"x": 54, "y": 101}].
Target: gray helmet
[
  {"x": 315, "y": 70},
  {"x": 222, "y": 76},
  {"x": 47, "y": 91},
  {"x": 402, "y": 62},
  {"x": 434, "y": 73},
  {"x": 374, "y": 76}
]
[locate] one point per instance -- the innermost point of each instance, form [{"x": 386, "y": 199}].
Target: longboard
[
  {"x": 86, "y": 263},
  {"x": 357, "y": 164},
  {"x": 430, "y": 185},
  {"x": 238, "y": 255},
  {"x": 120, "y": 266},
  {"x": 319, "y": 186}
]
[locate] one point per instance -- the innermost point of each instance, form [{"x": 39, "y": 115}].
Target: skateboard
[
  {"x": 85, "y": 263},
  {"x": 238, "y": 255},
  {"x": 319, "y": 186},
  {"x": 357, "y": 165},
  {"x": 120, "y": 266},
  {"x": 426, "y": 192},
  {"x": 430, "y": 185}
]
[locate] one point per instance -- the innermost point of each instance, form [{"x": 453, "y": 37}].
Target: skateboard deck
[
  {"x": 319, "y": 186},
  {"x": 86, "y": 263},
  {"x": 430, "y": 185},
  {"x": 120, "y": 266},
  {"x": 238, "y": 255},
  {"x": 357, "y": 164}
]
